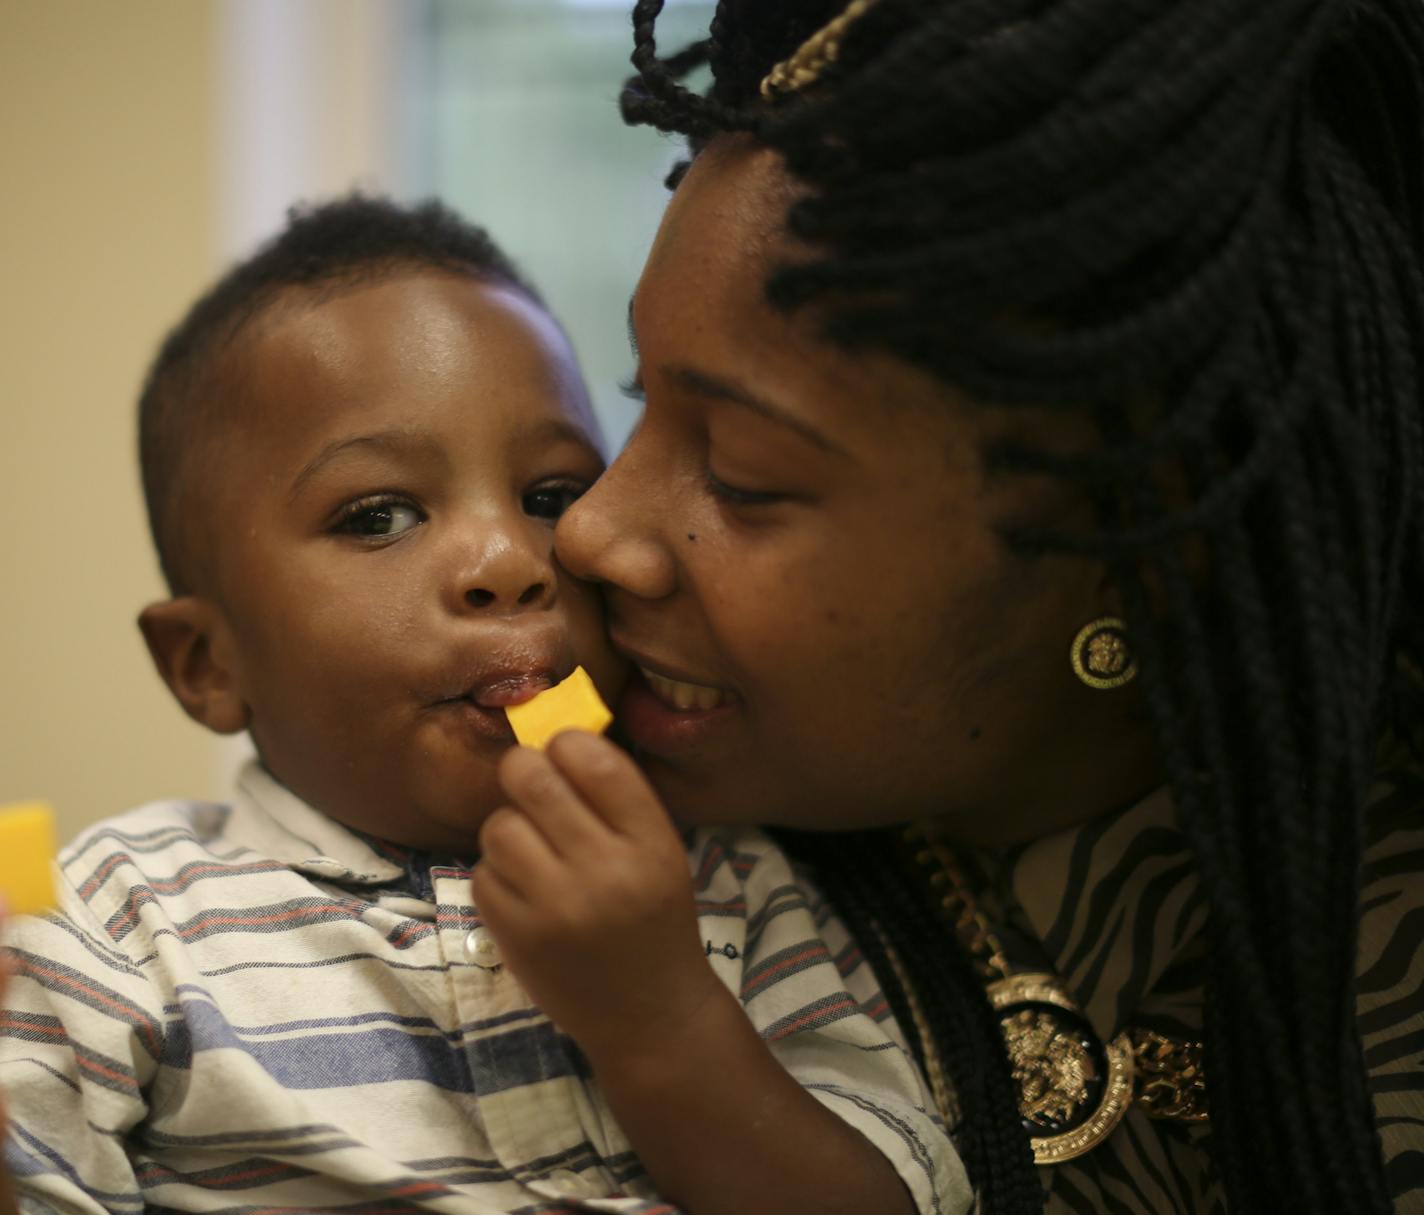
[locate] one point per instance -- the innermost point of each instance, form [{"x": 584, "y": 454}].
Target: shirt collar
[
  {"x": 1113, "y": 905},
  {"x": 270, "y": 819}
]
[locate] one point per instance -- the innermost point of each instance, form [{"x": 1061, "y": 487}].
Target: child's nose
[
  {"x": 507, "y": 575},
  {"x": 480, "y": 596}
]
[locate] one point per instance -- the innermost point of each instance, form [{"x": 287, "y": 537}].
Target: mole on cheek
[
  {"x": 692, "y": 536},
  {"x": 974, "y": 733}
]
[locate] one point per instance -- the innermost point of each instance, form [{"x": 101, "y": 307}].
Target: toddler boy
[{"x": 354, "y": 451}]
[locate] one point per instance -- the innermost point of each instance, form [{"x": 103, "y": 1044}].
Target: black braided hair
[
  {"x": 888, "y": 913},
  {"x": 1205, "y": 221},
  {"x": 346, "y": 241}
]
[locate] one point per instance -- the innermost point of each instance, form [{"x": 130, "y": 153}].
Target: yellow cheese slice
[
  {"x": 573, "y": 704},
  {"x": 26, "y": 850}
]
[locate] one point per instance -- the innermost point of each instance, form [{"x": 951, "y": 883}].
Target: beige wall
[{"x": 107, "y": 229}]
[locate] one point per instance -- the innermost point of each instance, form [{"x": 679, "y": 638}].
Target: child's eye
[
  {"x": 378, "y": 517},
  {"x": 551, "y": 501}
]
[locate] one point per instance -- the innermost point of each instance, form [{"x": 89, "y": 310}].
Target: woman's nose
[
  {"x": 506, "y": 573},
  {"x": 613, "y": 533}
]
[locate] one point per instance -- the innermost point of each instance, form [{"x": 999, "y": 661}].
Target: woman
[{"x": 1032, "y": 452}]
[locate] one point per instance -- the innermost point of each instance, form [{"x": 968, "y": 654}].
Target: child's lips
[
  {"x": 480, "y": 708},
  {"x": 475, "y": 720},
  {"x": 500, "y": 673},
  {"x": 514, "y": 690}
]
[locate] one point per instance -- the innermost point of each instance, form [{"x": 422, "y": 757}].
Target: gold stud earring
[{"x": 1100, "y": 654}]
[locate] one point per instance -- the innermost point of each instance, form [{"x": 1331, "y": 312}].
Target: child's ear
[{"x": 191, "y": 645}]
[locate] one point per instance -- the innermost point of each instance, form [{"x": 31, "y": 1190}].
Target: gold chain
[
  {"x": 980, "y": 941},
  {"x": 1171, "y": 1082},
  {"x": 934, "y": 1067},
  {"x": 1169, "y": 1078}
]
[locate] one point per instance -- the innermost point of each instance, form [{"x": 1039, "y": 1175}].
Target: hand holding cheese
[
  {"x": 573, "y": 704},
  {"x": 26, "y": 850},
  {"x": 584, "y": 882}
]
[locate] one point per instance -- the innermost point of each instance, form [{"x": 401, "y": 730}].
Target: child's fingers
[
  {"x": 496, "y": 899},
  {"x": 517, "y": 850},
  {"x": 607, "y": 779},
  {"x": 569, "y": 826}
]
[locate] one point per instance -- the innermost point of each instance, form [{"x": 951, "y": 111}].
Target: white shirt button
[{"x": 480, "y": 948}]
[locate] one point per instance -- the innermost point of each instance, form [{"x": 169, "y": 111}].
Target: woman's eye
[
  {"x": 551, "y": 501},
  {"x": 382, "y": 517},
  {"x": 734, "y": 495}
]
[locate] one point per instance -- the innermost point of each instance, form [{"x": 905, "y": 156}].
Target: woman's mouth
[
  {"x": 682, "y": 696},
  {"x": 664, "y": 716}
]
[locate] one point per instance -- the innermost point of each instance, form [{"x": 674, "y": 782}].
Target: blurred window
[{"x": 514, "y": 111}]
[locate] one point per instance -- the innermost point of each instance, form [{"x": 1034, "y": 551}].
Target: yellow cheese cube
[
  {"x": 26, "y": 850},
  {"x": 573, "y": 704}
]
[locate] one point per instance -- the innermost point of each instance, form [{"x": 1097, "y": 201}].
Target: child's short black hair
[{"x": 347, "y": 242}]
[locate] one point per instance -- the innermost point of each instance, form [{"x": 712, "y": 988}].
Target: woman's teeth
[{"x": 683, "y": 696}]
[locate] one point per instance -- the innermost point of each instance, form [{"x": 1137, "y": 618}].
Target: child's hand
[{"x": 584, "y": 883}]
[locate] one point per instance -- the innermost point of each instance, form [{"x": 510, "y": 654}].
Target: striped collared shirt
[{"x": 248, "y": 1008}]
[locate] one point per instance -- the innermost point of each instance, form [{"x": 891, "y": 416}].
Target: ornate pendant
[{"x": 1073, "y": 1089}]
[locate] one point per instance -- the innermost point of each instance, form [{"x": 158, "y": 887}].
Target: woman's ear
[{"x": 191, "y": 645}]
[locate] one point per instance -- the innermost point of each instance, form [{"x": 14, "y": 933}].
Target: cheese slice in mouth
[
  {"x": 573, "y": 704},
  {"x": 26, "y": 853}
]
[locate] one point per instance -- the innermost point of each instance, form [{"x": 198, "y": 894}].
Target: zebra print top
[{"x": 1114, "y": 908}]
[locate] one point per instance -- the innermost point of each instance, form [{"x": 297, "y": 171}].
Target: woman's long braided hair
[{"x": 1210, "y": 215}]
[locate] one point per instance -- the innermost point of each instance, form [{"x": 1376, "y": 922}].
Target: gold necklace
[{"x": 1073, "y": 1088}]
